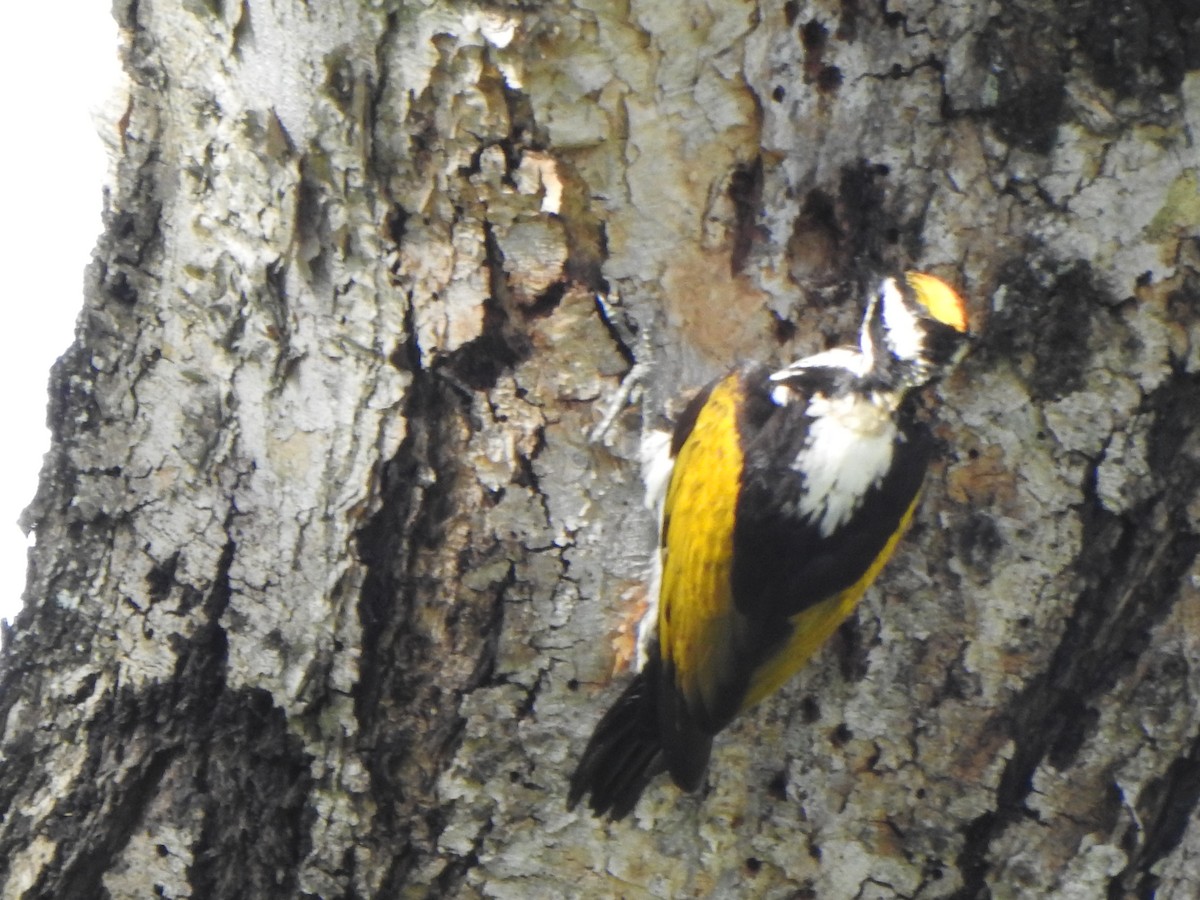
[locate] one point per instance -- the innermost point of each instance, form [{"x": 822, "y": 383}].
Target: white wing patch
[
  {"x": 657, "y": 465},
  {"x": 854, "y": 361},
  {"x": 848, "y": 451}
]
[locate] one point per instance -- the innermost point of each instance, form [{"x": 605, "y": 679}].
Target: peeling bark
[{"x": 340, "y": 538}]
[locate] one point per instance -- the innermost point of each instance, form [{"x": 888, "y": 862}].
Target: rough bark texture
[{"x": 331, "y": 582}]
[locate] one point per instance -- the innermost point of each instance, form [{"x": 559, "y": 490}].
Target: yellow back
[
  {"x": 701, "y": 634},
  {"x": 696, "y": 605}
]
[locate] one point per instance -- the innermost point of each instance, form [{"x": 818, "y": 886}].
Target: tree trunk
[{"x": 335, "y": 571}]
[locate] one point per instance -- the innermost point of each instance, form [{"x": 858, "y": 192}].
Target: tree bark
[{"x": 335, "y": 570}]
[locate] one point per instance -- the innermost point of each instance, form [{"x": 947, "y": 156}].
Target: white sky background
[{"x": 58, "y": 65}]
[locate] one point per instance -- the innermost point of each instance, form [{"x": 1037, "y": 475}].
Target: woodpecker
[{"x": 781, "y": 495}]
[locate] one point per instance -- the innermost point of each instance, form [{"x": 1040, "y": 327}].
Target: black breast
[{"x": 782, "y": 564}]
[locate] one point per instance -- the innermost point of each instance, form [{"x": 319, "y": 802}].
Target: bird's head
[{"x": 914, "y": 328}]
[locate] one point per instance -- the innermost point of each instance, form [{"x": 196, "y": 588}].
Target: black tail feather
[
  {"x": 623, "y": 755},
  {"x": 686, "y": 745}
]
